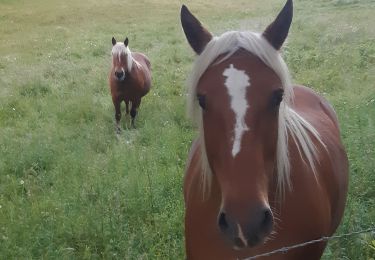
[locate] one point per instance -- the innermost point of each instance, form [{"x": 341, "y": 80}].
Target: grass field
[{"x": 69, "y": 189}]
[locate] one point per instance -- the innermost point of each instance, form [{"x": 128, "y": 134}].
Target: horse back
[{"x": 143, "y": 59}]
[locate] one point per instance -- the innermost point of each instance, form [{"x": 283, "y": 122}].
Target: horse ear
[
  {"x": 126, "y": 42},
  {"x": 277, "y": 31},
  {"x": 195, "y": 33},
  {"x": 113, "y": 41}
]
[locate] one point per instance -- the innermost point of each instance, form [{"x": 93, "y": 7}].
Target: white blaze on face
[{"x": 237, "y": 81}]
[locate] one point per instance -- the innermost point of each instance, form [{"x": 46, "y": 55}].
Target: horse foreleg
[
  {"x": 117, "y": 105},
  {"x": 133, "y": 111},
  {"x": 127, "y": 107}
]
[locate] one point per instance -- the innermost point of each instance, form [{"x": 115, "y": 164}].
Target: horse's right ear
[
  {"x": 113, "y": 41},
  {"x": 195, "y": 33},
  {"x": 277, "y": 31},
  {"x": 126, "y": 42}
]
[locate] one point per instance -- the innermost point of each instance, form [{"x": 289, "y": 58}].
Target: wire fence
[{"x": 285, "y": 249}]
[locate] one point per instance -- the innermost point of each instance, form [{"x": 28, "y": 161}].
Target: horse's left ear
[
  {"x": 277, "y": 31},
  {"x": 113, "y": 41},
  {"x": 126, "y": 42}
]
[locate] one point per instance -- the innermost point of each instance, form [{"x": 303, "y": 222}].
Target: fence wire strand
[{"x": 324, "y": 238}]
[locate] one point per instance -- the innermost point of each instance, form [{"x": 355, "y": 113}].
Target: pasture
[{"x": 69, "y": 189}]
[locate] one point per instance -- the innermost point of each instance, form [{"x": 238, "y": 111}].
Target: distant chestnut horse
[
  {"x": 269, "y": 169},
  {"x": 129, "y": 79}
]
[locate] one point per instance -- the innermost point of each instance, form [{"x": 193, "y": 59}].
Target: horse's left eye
[
  {"x": 201, "y": 101},
  {"x": 277, "y": 97}
]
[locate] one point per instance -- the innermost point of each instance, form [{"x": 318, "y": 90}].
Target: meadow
[{"x": 69, "y": 189}]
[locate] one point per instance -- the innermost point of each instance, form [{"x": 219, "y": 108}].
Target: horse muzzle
[
  {"x": 249, "y": 234},
  {"x": 120, "y": 75}
]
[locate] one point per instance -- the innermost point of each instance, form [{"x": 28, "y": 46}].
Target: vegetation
[{"x": 70, "y": 189}]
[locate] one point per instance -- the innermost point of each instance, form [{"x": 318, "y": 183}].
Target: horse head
[
  {"x": 121, "y": 59},
  {"x": 238, "y": 87}
]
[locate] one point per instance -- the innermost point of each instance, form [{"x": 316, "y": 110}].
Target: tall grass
[{"x": 70, "y": 189}]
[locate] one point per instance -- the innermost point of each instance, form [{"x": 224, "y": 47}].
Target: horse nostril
[
  {"x": 267, "y": 221},
  {"x": 222, "y": 222},
  {"x": 119, "y": 74}
]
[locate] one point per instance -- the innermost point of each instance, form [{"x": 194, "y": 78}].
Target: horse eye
[
  {"x": 277, "y": 97},
  {"x": 201, "y": 101}
]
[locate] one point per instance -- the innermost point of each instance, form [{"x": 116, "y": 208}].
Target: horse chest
[{"x": 128, "y": 88}]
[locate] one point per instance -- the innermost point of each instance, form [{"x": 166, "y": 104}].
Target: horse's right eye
[
  {"x": 276, "y": 98},
  {"x": 201, "y": 101}
]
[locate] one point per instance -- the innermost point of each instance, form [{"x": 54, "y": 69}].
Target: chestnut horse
[
  {"x": 268, "y": 169},
  {"x": 129, "y": 79}
]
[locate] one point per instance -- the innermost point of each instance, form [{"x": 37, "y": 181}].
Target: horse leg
[
  {"x": 133, "y": 111},
  {"x": 127, "y": 106},
  {"x": 117, "y": 104}
]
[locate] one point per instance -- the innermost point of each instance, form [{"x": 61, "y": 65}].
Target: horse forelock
[
  {"x": 290, "y": 122},
  {"x": 120, "y": 49}
]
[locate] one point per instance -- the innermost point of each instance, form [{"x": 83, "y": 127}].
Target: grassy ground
[{"x": 70, "y": 189}]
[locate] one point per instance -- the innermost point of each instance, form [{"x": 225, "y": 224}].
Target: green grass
[{"x": 70, "y": 189}]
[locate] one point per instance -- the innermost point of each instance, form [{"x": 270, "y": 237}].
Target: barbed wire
[{"x": 324, "y": 238}]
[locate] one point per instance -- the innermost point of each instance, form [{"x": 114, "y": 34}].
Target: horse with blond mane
[
  {"x": 268, "y": 169},
  {"x": 129, "y": 79}
]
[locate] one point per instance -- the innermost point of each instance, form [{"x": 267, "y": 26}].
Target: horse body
[
  {"x": 128, "y": 83},
  {"x": 269, "y": 169}
]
